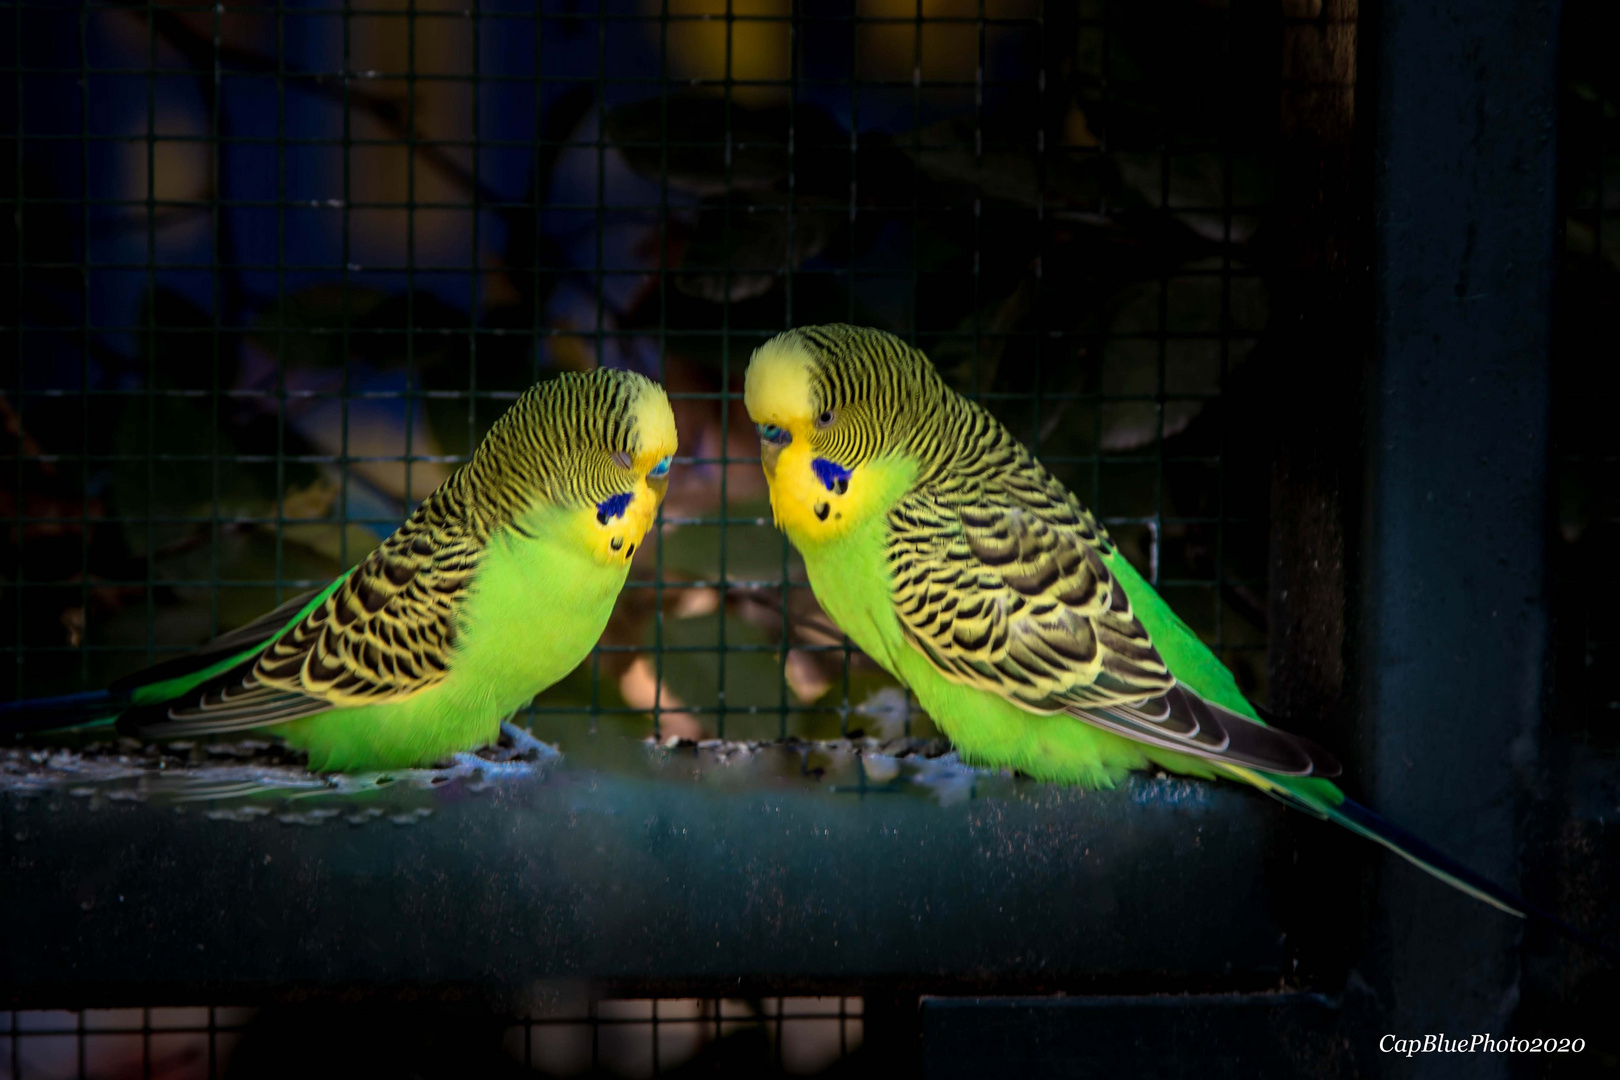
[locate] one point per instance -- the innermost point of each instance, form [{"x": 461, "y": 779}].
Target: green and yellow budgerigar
[
  {"x": 950, "y": 556},
  {"x": 497, "y": 586}
]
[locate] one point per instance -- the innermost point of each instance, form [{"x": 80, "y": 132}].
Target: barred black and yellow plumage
[
  {"x": 496, "y": 586},
  {"x": 996, "y": 574},
  {"x": 945, "y": 550}
]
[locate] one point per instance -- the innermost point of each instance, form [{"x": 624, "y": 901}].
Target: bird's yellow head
[
  {"x": 595, "y": 445},
  {"x": 837, "y": 408}
]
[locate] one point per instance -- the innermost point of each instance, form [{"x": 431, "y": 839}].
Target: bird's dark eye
[
  {"x": 623, "y": 459},
  {"x": 825, "y": 419},
  {"x": 659, "y": 470},
  {"x": 771, "y": 433}
]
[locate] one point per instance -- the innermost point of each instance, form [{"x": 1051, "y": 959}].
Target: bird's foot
[
  {"x": 525, "y": 745},
  {"x": 482, "y": 766},
  {"x": 517, "y": 753}
]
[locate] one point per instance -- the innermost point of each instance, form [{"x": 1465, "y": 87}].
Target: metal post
[{"x": 1454, "y": 638}]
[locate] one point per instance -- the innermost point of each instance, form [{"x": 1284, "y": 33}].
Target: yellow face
[
  {"x": 813, "y": 499},
  {"x": 615, "y": 528}
]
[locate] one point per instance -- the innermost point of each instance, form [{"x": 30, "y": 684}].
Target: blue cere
[
  {"x": 773, "y": 434},
  {"x": 612, "y": 507},
  {"x": 659, "y": 470},
  {"x": 833, "y": 476}
]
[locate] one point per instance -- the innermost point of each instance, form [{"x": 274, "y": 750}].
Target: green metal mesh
[
  {"x": 274, "y": 268},
  {"x": 280, "y": 266}
]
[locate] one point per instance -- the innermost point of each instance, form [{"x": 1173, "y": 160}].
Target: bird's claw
[
  {"x": 491, "y": 769},
  {"x": 524, "y": 756},
  {"x": 525, "y": 745}
]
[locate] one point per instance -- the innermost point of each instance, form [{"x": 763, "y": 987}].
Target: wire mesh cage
[
  {"x": 615, "y": 1037},
  {"x": 277, "y": 268},
  {"x": 274, "y": 269},
  {"x": 281, "y": 267}
]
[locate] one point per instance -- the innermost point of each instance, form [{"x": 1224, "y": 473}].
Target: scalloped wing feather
[
  {"x": 386, "y": 633},
  {"x": 998, "y": 578}
]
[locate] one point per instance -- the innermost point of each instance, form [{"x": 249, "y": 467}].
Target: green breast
[
  {"x": 850, "y": 578},
  {"x": 536, "y": 610}
]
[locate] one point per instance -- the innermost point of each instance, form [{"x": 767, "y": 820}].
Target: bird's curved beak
[{"x": 769, "y": 454}]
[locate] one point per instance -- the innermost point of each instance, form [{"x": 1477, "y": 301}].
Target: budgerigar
[
  {"x": 945, "y": 550},
  {"x": 497, "y": 586}
]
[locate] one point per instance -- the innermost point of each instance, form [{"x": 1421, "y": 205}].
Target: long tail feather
[
  {"x": 1322, "y": 799},
  {"x": 1425, "y": 856},
  {"x": 1358, "y": 819},
  {"x": 92, "y": 709}
]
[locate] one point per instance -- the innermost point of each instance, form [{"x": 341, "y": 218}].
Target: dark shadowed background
[{"x": 1256, "y": 279}]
